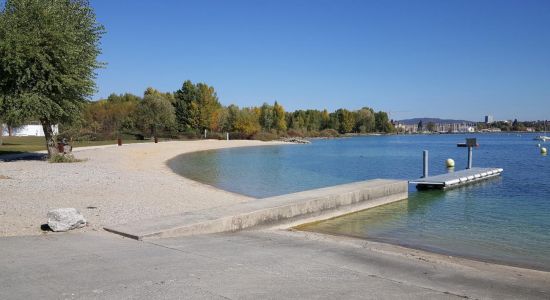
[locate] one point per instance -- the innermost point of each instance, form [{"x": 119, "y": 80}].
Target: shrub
[
  {"x": 294, "y": 133},
  {"x": 215, "y": 135},
  {"x": 63, "y": 158},
  {"x": 238, "y": 136},
  {"x": 313, "y": 133},
  {"x": 265, "y": 136},
  {"x": 329, "y": 133}
]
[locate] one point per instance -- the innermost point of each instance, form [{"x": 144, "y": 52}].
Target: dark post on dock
[
  {"x": 425, "y": 164},
  {"x": 471, "y": 143}
]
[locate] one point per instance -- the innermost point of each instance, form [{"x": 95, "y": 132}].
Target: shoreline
[
  {"x": 426, "y": 250},
  {"x": 295, "y": 225},
  {"x": 419, "y": 254},
  {"x": 114, "y": 185},
  {"x": 301, "y": 227},
  {"x": 162, "y": 168},
  {"x": 398, "y": 248}
]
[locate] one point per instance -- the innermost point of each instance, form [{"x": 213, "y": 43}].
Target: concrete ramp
[{"x": 328, "y": 202}]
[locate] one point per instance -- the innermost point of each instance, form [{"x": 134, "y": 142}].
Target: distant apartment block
[
  {"x": 489, "y": 119},
  {"x": 439, "y": 127}
]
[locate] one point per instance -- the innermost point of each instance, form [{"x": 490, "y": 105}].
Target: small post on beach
[
  {"x": 227, "y": 136},
  {"x": 425, "y": 164},
  {"x": 119, "y": 141},
  {"x": 205, "y": 134}
]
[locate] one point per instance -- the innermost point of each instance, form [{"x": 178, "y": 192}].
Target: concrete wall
[
  {"x": 28, "y": 130},
  {"x": 274, "y": 211}
]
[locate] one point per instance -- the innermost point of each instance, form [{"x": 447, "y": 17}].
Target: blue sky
[{"x": 450, "y": 59}]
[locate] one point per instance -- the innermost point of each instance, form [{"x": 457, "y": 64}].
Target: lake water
[{"x": 504, "y": 220}]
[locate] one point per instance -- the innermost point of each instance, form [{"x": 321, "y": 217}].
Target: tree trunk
[
  {"x": 10, "y": 130},
  {"x": 153, "y": 131},
  {"x": 51, "y": 143}
]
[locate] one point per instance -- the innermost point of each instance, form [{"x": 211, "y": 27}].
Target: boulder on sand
[{"x": 63, "y": 219}]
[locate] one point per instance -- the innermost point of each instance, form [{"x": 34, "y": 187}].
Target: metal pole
[
  {"x": 470, "y": 152},
  {"x": 425, "y": 164}
]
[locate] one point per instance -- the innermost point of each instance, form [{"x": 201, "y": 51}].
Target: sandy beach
[
  {"x": 113, "y": 185},
  {"x": 131, "y": 183}
]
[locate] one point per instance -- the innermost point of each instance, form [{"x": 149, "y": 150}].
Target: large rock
[{"x": 63, "y": 219}]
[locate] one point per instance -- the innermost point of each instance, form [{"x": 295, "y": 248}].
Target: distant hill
[{"x": 435, "y": 120}]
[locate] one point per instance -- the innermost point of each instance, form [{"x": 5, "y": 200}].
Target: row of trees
[
  {"x": 48, "y": 59},
  {"x": 195, "y": 108}
]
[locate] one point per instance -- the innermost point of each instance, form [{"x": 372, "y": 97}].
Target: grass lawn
[{"x": 21, "y": 144}]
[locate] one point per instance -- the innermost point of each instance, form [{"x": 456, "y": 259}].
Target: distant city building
[
  {"x": 491, "y": 130},
  {"x": 489, "y": 119},
  {"x": 438, "y": 127}
]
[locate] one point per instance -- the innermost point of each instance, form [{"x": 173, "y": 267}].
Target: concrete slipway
[
  {"x": 202, "y": 255},
  {"x": 268, "y": 264},
  {"x": 302, "y": 207}
]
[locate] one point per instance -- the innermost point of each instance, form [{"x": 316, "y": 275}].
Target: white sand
[{"x": 125, "y": 183}]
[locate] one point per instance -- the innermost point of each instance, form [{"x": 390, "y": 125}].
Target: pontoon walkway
[{"x": 455, "y": 179}]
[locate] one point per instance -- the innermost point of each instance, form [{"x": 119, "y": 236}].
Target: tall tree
[
  {"x": 267, "y": 117},
  {"x": 346, "y": 120},
  {"x": 194, "y": 105},
  {"x": 325, "y": 119},
  {"x": 365, "y": 120},
  {"x": 279, "y": 115},
  {"x": 247, "y": 121},
  {"x": 383, "y": 123},
  {"x": 155, "y": 111},
  {"x": 48, "y": 56}
]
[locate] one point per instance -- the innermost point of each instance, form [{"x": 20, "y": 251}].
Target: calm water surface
[{"x": 504, "y": 220}]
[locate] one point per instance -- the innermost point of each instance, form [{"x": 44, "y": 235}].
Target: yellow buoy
[
  {"x": 543, "y": 150},
  {"x": 450, "y": 163}
]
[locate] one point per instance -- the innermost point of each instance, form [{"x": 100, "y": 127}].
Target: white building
[{"x": 27, "y": 130}]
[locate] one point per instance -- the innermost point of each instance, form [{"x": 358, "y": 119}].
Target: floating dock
[{"x": 455, "y": 179}]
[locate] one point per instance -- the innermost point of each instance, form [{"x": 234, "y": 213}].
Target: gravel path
[{"x": 114, "y": 185}]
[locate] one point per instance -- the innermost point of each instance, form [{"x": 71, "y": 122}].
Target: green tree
[
  {"x": 267, "y": 117},
  {"x": 232, "y": 115},
  {"x": 325, "y": 120},
  {"x": 195, "y": 105},
  {"x": 382, "y": 122},
  {"x": 346, "y": 120},
  {"x": 154, "y": 112},
  {"x": 364, "y": 121},
  {"x": 48, "y": 56},
  {"x": 279, "y": 116}
]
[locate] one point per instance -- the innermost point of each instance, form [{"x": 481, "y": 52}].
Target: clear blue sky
[{"x": 450, "y": 59}]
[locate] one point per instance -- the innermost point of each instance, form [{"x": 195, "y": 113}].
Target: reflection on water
[
  {"x": 505, "y": 219},
  {"x": 447, "y": 222}
]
